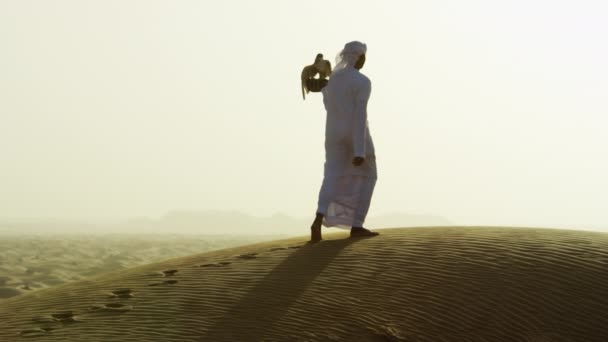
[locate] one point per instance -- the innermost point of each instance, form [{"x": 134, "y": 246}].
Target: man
[{"x": 350, "y": 160}]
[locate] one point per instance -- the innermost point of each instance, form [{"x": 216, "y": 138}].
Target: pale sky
[{"x": 484, "y": 112}]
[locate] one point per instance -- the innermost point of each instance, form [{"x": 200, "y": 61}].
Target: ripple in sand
[
  {"x": 124, "y": 293},
  {"x": 96, "y": 307},
  {"x": 247, "y": 256},
  {"x": 63, "y": 315},
  {"x": 111, "y": 308},
  {"x": 118, "y": 307},
  {"x": 37, "y": 332},
  {"x": 45, "y": 320},
  {"x": 165, "y": 282},
  {"x": 388, "y": 333}
]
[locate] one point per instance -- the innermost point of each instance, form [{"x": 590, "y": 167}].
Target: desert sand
[
  {"x": 30, "y": 262},
  {"x": 414, "y": 284}
]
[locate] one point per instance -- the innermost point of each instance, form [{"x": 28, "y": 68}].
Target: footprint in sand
[
  {"x": 45, "y": 323},
  {"x": 64, "y": 317},
  {"x": 49, "y": 323},
  {"x": 124, "y": 293},
  {"x": 111, "y": 308},
  {"x": 165, "y": 273},
  {"x": 247, "y": 256},
  {"x": 164, "y": 282},
  {"x": 169, "y": 273}
]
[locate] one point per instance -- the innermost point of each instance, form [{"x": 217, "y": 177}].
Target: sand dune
[
  {"x": 415, "y": 284},
  {"x": 33, "y": 262}
]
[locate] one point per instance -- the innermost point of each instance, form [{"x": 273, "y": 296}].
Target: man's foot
[
  {"x": 315, "y": 233},
  {"x": 362, "y": 232},
  {"x": 315, "y": 229}
]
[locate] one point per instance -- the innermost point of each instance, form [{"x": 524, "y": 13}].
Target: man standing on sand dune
[{"x": 350, "y": 160}]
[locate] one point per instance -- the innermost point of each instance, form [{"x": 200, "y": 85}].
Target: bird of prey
[{"x": 321, "y": 67}]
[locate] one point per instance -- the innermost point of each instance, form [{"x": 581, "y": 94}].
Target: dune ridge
[{"x": 408, "y": 284}]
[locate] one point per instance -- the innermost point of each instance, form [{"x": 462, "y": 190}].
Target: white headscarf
[{"x": 349, "y": 55}]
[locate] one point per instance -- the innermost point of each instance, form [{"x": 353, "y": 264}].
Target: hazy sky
[{"x": 485, "y": 112}]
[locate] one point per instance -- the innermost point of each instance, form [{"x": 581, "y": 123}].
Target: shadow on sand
[{"x": 269, "y": 300}]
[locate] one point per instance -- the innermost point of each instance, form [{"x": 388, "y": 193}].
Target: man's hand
[{"x": 357, "y": 161}]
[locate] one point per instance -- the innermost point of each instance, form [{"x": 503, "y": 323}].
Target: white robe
[{"x": 347, "y": 190}]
